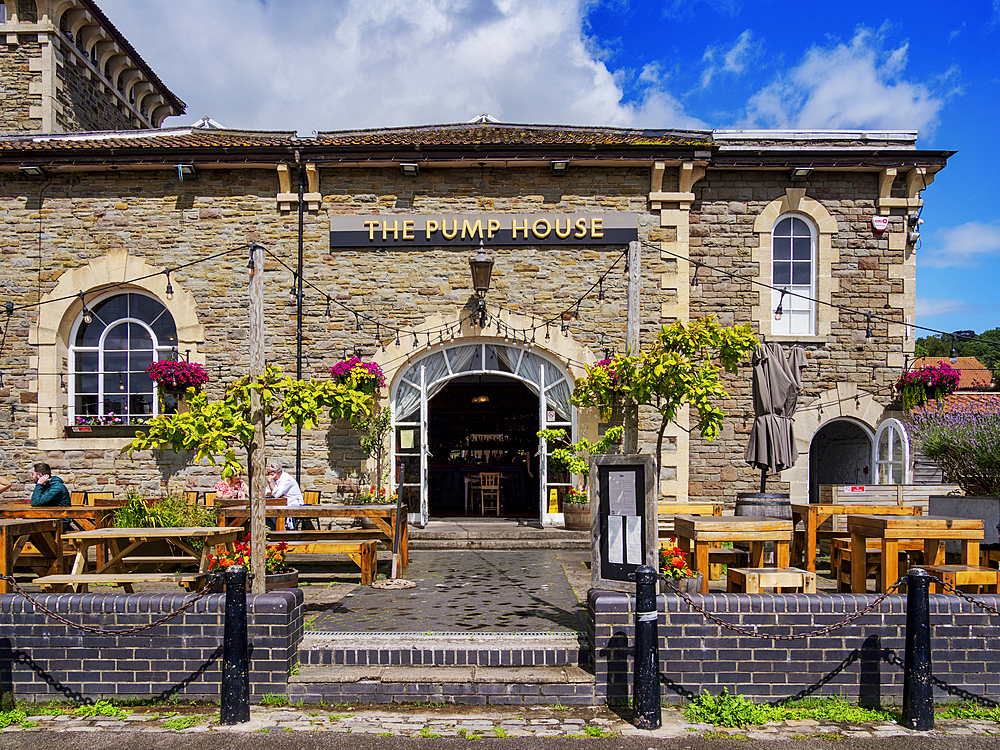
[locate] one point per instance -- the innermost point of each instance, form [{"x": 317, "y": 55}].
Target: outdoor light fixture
[
  {"x": 560, "y": 166},
  {"x": 914, "y": 221},
  {"x": 954, "y": 352},
  {"x": 482, "y": 269},
  {"x": 185, "y": 170},
  {"x": 409, "y": 168},
  {"x": 87, "y": 316},
  {"x": 801, "y": 173},
  {"x": 779, "y": 310},
  {"x": 868, "y": 328},
  {"x": 484, "y": 399},
  {"x": 32, "y": 170},
  {"x": 170, "y": 289}
]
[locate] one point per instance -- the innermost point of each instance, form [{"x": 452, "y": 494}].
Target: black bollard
[
  {"x": 646, "y": 686},
  {"x": 235, "y": 660},
  {"x": 918, "y": 695}
]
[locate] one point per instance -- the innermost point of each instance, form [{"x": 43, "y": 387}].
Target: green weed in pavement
[
  {"x": 596, "y": 732},
  {"x": 969, "y": 711},
  {"x": 15, "y": 716},
  {"x": 101, "y": 708},
  {"x": 501, "y": 733}
]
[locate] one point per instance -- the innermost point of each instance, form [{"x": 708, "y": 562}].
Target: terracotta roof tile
[
  {"x": 146, "y": 139},
  {"x": 463, "y": 134}
]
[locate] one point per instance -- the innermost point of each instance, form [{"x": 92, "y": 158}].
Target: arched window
[
  {"x": 892, "y": 453},
  {"x": 793, "y": 272},
  {"x": 109, "y": 356}
]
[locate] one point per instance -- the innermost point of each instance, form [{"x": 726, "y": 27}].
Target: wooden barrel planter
[
  {"x": 576, "y": 516},
  {"x": 771, "y": 504}
]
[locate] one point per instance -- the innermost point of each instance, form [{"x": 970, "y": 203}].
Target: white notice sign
[
  {"x": 616, "y": 540},
  {"x": 621, "y": 491},
  {"x": 633, "y": 540}
]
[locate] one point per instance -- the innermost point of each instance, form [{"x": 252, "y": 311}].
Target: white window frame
[
  {"x": 798, "y": 302},
  {"x": 885, "y": 467}
]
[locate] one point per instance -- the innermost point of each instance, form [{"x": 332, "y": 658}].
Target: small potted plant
[
  {"x": 366, "y": 377},
  {"x": 576, "y": 509},
  {"x": 576, "y": 503},
  {"x": 674, "y": 565},
  {"x": 177, "y": 376},
  {"x": 277, "y": 574}
]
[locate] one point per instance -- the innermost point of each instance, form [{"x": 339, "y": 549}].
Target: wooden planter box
[{"x": 105, "y": 430}]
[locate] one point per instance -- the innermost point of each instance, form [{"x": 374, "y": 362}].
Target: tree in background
[
  {"x": 683, "y": 366},
  {"x": 965, "y": 346}
]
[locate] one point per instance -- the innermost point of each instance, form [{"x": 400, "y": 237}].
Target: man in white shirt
[{"x": 282, "y": 484}]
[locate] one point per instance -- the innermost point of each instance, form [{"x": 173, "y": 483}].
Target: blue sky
[{"x": 332, "y": 64}]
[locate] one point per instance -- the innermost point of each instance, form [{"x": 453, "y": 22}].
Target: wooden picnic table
[
  {"x": 383, "y": 517},
  {"x": 122, "y": 542},
  {"x": 814, "y": 515},
  {"x": 701, "y": 532},
  {"x": 87, "y": 517},
  {"x": 45, "y": 536},
  {"x": 934, "y": 530}
]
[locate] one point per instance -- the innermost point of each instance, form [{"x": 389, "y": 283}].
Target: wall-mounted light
[
  {"x": 913, "y": 221},
  {"x": 801, "y": 173},
  {"x": 185, "y": 170},
  {"x": 409, "y": 168},
  {"x": 560, "y": 166},
  {"x": 32, "y": 170},
  {"x": 482, "y": 270}
]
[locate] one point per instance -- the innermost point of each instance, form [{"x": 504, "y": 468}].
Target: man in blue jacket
[{"x": 49, "y": 490}]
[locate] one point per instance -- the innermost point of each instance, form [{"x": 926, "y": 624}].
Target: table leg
[
  {"x": 890, "y": 564},
  {"x": 404, "y": 550},
  {"x": 859, "y": 564},
  {"x": 970, "y": 552},
  {"x": 934, "y": 552},
  {"x": 756, "y": 554},
  {"x": 6, "y": 558},
  {"x": 781, "y": 554},
  {"x": 701, "y": 553}
]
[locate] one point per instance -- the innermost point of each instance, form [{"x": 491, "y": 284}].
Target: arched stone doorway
[
  {"x": 433, "y": 437},
  {"x": 840, "y": 453}
]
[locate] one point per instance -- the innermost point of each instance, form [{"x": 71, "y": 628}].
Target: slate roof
[{"x": 146, "y": 139}]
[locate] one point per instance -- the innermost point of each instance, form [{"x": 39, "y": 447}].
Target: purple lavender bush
[{"x": 965, "y": 443}]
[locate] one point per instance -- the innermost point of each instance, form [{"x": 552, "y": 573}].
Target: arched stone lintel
[{"x": 792, "y": 201}]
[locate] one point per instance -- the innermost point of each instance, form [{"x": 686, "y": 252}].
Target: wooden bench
[
  {"x": 962, "y": 577},
  {"x": 989, "y": 558},
  {"x": 360, "y": 546},
  {"x": 59, "y": 583},
  {"x": 752, "y": 580},
  {"x": 840, "y": 559}
]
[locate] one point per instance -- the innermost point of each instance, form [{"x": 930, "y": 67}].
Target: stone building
[
  {"x": 64, "y": 68},
  {"x": 729, "y": 223}
]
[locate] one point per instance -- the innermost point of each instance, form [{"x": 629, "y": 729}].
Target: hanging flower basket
[
  {"x": 176, "y": 376},
  {"x": 366, "y": 377},
  {"x": 929, "y": 383}
]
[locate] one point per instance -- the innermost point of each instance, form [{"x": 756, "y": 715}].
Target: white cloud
[
  {"x": 855, "y": 85},
  {"x": 928, "y": 307},
  {"x": 963, "y": 246},
  {"x": 333, "y": 64},
  {"x": 733, "y": 59}
]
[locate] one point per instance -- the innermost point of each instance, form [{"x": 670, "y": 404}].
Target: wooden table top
[
  {"x": 29, "y": 525},
  {"x": 23, "y": 510},
  {"x": 941, "y": 527},
  {"x": 733, "y": 528},
  {"x": 170, "y": 532},
  {"x": 830, "y": 509},
  {"x": 314, "y": 511}
]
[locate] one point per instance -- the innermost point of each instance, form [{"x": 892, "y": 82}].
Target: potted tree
[{"x": 575, "y": 458}]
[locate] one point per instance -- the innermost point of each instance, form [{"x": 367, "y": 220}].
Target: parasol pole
[{"x": 763, "y": 480}]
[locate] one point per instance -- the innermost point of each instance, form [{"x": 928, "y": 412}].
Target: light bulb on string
[
  {"x": 547, "y": 337},
  {"x": 779, "y": 309},
  {"x": 600, "y": 290},
  {"x": 868, "y": 328},
  {"x": 397, "y": 337},
  {"x": 169, "y": 290}
]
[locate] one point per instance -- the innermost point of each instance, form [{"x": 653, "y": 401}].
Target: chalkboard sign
[{"x": 623, "y": 519}]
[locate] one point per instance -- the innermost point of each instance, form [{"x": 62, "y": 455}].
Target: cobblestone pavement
[
  {"x": 471, "y": 723},
  {"x": 518, "y": 590}
]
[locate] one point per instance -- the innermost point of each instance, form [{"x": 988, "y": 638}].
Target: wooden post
[
  {"x": 258, "y": 486},
  {"x": 630, "y": 440}
]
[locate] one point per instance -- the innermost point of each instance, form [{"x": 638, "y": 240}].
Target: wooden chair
[
  {"x": 210, "y": 498},
  {"x": 78, "y": 498},
  {"x": 963, "y": 577},
  {"x": 311, "y": 497},
  {"x": 752, "y": 580},
  {"x": 191, "y": 496},
  {"x": 489, "y": 490},
  {"x": 99, "y": 498}
]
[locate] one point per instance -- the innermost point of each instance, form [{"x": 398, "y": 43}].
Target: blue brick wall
[
  {"x": 44, "y": 659},
  {"x": 863, "y": 659}
]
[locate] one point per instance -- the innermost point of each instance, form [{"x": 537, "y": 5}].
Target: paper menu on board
[
  {"x": 621, "y": 491},
  {"x": 616, "y": 540}
]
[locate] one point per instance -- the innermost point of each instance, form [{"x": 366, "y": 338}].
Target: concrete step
[
  {"x": 494, "y": 534},
  {"x": 468, "y": 668}
]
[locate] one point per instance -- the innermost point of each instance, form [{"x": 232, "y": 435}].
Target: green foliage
[
  {"x": 836, "y": 709},
  {"x": 178, "y": 723},
  {"x": 215, "y": 429},
  {"x": 596, "y": 732},
  {"x": 940, "y": 346},
  {"x": 15, "y": 716},
  {"x": 426, "y": 732},
  {"x": 501, "y": 733},
  {"x": 101, "y": 708},
  {"x": 273, "y": 699},
  {"x": 970, "y": 711},
  {"x": 730, "y": 711},
  {"x": 575, "y": 457},
  {"x": 171, "y": 511}
]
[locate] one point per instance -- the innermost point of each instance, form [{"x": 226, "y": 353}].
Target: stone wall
[
  {"x": 46, "y": 660},
  {"x": 84, "y": 103},
  {"x": 861, "y": 660},
  {"x": 16, "y": 75}
]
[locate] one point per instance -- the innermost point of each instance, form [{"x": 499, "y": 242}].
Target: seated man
[
  {"x": 49, "y": 490},
  {"x": 282, "y": 484}
]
